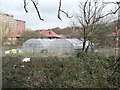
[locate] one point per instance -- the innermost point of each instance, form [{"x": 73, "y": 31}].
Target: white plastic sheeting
[
  {"x": 36, "y": 45},
  {"x": 66, "y": 46},
  {"x": 45, "y": 42},
  {"x": 53, "y": 45},
  {"x": 76, "y": 43},
  {"x": 61, "y": 46}
]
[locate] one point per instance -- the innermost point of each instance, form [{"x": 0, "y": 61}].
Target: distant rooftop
[
  {"x": 13, "y": 34},
  {"x": 49, "y": 33}
]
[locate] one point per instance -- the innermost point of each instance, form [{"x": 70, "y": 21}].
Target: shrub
[{"x": 55, "y": 72}]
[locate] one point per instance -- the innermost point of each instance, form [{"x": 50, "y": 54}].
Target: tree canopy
[{"x": 30, "y": 34}]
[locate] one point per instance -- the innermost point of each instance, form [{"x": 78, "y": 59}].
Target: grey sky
[{"x": 48, "y": 10}]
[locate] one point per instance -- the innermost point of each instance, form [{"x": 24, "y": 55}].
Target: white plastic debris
[
  {"x": 7, "y": 52},
  {"x": 20, "y": 52},
  {"x": 26, "y": 60},
  {"x": 14, "y": 66},
  {"x": 22, "y": 65},
  {"x": 13, "y": 51},
  {"x": 96, "y": 51}
]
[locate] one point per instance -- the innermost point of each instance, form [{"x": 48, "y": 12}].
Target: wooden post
[{"x": 118, "y": 28}]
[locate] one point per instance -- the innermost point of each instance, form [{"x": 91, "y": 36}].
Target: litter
[
  {"x": 13, "y": 51},
  {"x": 7, "y": 52},
  {"x": 26, "y": 60},
  {"x": 22, "y": 66}
]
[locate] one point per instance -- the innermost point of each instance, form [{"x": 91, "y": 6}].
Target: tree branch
[
  {"x": 25, "y": 4},
  {"x": 109, "y": 2},
  {"x": 116, "y": 68},
  {"x": 37, "y": 10},
  {"x": 89, "y": 12},
  {"x": 113, "y": 3},
  {"x": 84, "y": 9},
  {"x": 35, "y": 2},
  {"x": 60, "y": 10}
]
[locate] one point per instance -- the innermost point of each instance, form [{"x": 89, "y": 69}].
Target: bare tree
[{"x": 91, "y": 13}]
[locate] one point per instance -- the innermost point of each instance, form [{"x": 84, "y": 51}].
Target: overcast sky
[{"x": 48, "y": 10}]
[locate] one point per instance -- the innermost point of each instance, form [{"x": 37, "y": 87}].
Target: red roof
[
  {"x": 49, "y": 33},
  {"x": 13, "y": 34},
  {"x": 115, "y": 34}
]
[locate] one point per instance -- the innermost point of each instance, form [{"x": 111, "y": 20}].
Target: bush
[{"x": 51, "y": 72}]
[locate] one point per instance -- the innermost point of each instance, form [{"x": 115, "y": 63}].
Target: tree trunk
[{"x": 84, "y": 40}]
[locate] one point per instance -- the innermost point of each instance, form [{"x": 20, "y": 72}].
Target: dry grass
[{"x": 108, "y": 51}]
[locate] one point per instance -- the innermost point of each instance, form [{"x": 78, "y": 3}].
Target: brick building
[
  {"x": 10, "y": 29},
  {"x": 6, "y": 23},
  {"x": 18, "y": 25}
]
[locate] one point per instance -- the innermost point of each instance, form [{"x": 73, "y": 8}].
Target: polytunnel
[
  {"x": 76, "y": 43},
  {"x": 61, "y": 46},
  {"x": 53, "y": 45},
  {"x": 66, "y": 46},
  {"x": 36, "y": 45},
  {"x": 46, "y": 42}
]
